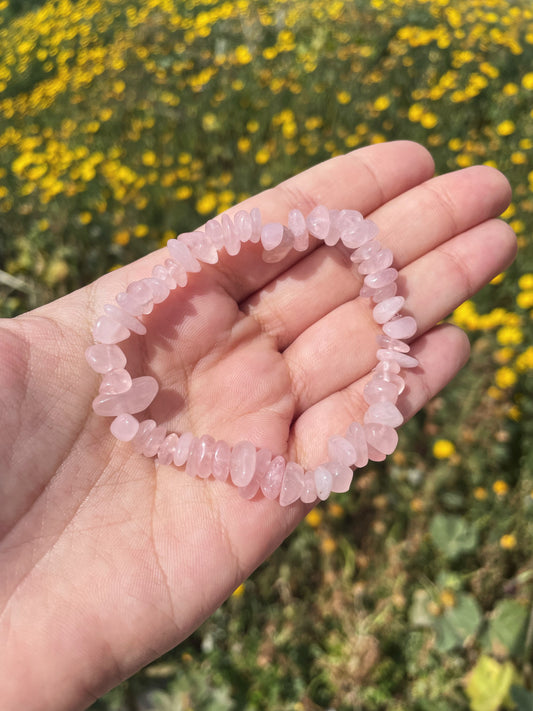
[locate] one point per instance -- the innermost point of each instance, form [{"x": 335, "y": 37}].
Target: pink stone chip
[
  {"x": 292, "y": 484},
  {"x": 282, "y": 250},
  {"x": 162, "y": 273},
  {"x": 213, "y": 230},
  {"x": 200, "y": 461},
  {"x": 341, "y": 450},
  {"x": 153, "y": 441},
  {"x": 309, "y": 495},
  {"x": 377, "y": 262},
  {"x": 271, "y": 484},
  {"x": 159, "y": 289},
  {"x": 221, "y": 460},
  {"x": 356, "y": 435},
  {"x": 242, "y": 463},
  {"x": 177, "y": 272},
  {"x": 318, "y": 222},
  {"x": 243, "y": 225},
  {"x": 183, "y": 449},
  {"x": 296, "y": 224},
  {"x": 126, "y": 319},
  {"x": 263, "y": 459},
  {"x": 388, "y": 308},
  {"x": 404, "y": 327},
  {"x": 107, "y": 330},
  {"x": 383, "y": 438},
  {"x": 182, "y": 254},
  {"x": 271, "y": 235},
  {"x": 232, "y": 242},
  {"x": 201, "y": 246},
  {"x": 341, "y": 476},
  {"x": 145, "y": 428},
  {"x": 116, "y": 382},
  {"x": 380, "y": 390},
  {"x": 142, "y": 392},
  {"x": 255, "y": 215},
  {"x": 403, "y": 360},
  {"x": 103, "y": 357},
  {"x": 392, "y": 343},
  {"x": 378, "y": 280},
  {"x": 323, "y": 482},
  {"x": 130, "y": 304},
  {"x": 367, "y": 250},
  {"x": 165, "y": 453},
  {"x": 124, "y": 427},
  {"x": 383, "y": 413}
]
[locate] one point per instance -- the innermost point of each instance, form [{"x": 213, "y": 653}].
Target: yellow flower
[
  {"x": 447, "y": 598},
  {"x": 510, "y": 336},
  {"x": 526, "y": 281},
  {"x": 243, "y": 54},
  {"x": 505, "y": 377},
  {"x": 238, "y": 592},
  {"x": 429, "y": 119},
  {"x": 500, "y": 487},
  {"x": 183, "y": 192},
  {"x": 314, "y": 518},
  {"x": 443, "y": 449},
  {"x": 382, "y": 103},
  {"x": 415, "y": 112},
  {"x": 328, "y": 545},
  {"x": 480, "y": 493},
  {"x": 85, "y": 217},
  {"x": 335, "y": 510},
  {"x": 262, "y": 156},
  {"x": 527, "y": 80},
  {"x": 149, "y": 158},
  {"x": 344, "y": 97},
  {"x": 416, "y": 504},
  {"x": 518, "y": 158},
  {"x": 206, "y": 204},
  {"x": 508, "y": 541},
  {"x": 525, "y": 299},
  {"x": 505, "y": 128},
  {"x": 503, "y": 355},
  {"x": 140, "y": 231},
  {"x": 122, "y": 237},
  {"x": 252, "y": 126},
  {"x": 510, "y": 89},
  {"x": 498, "y": 278}
]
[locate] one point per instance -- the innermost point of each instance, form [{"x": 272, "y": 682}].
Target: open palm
[{"x": 107, "y": 562}]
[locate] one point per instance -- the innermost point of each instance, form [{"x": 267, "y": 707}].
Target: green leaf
[
  {"x": 522, "y": 698},
  {"x": 452, "y": 535},
  {"x": 457, "y": 624},
  {"x": 489, "y": 683},
  {"x": 507, "y": 628}
]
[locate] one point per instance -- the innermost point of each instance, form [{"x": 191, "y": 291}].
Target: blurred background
[{"x": 123, "y": 122}]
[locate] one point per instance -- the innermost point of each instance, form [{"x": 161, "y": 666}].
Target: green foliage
[{"x": 452, "y": 535}]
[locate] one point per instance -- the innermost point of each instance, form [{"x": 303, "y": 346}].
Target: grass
[{"x": 122, "y": 123}]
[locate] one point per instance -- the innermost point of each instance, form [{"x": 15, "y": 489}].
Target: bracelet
[{"x": 250, "y": 468}]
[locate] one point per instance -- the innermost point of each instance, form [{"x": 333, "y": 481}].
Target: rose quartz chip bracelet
[{"x": 250, "y": 468}]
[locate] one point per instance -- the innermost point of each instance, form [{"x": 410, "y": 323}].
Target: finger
[
  {"x": 441, "y": 352},
  {"x": 340, "y": 348},
  {"x": 411, "y": 224},
  {"x": 362, "y": 179}
]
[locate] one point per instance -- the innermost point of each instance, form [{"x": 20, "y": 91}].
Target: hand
[{"x": 107, "y": 563}]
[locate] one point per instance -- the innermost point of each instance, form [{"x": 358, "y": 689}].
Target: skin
[{"x": 107, "y": 562}]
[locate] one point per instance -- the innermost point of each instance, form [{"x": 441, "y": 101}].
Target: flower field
[{"x": 122, "y": 123}]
